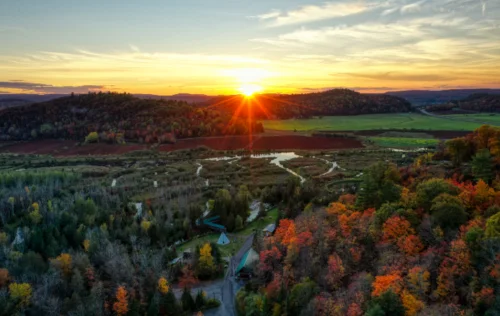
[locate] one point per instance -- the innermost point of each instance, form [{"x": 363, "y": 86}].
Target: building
[{"x": 269, "y": 230}]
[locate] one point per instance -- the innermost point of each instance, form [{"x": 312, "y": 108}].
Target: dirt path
[{"x": 223, "y": 290}]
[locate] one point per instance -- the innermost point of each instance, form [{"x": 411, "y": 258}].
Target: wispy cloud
[
  {"x": 32, "y": 87},
  {"x": 392, "y": 76},
  {"x": 310, "y": 13}
]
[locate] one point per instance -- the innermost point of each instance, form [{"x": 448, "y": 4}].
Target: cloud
[
  {"x": 312, "y": 13},
  {"x": 355, "y": 88},
  {"x": 390, "y": 76},
  {"x": 412, "y": 7},
  {"x": 270, "y": 15},
  {"x": 24, "y": 86}
]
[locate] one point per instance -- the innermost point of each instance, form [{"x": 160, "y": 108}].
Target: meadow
[
  {"x": 403, "y": 142},
  {"x": 409, "y": 121}
]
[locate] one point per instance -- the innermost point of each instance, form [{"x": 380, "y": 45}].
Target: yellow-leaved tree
[
  {"x": 63, "y": 262},
  {"x": 206, "y": 266},
  {"x": 163, "y": 285},
  {"x": 35, "y": 215},
  {"x": 21, "y": 292},
  {"x": 206, "y": 255}
]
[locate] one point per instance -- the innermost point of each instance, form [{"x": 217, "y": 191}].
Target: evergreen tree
[
  {"x": 200, "y": 300},
  {"x": 169, "y": 305},
  {"x": 238, "y": 223},
  {"x": 187, "y": 300}
]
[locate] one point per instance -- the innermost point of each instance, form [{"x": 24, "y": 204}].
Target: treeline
[
  {"x": 333, "y": 102},
  {"x": 114, "y": 117},
  {"x": 421, "y": 239},
  {"x": 479, "y": 102}
]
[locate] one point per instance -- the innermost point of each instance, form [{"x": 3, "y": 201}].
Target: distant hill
[
  {"x": 427, "y": 97},
  {"x": 12, "y": 102},
  {"x": 479, "y": 102},
  {"x": 332, "y": 102},
  {"x": 32, "y": 98},
  {"x": 116, "y": 116}
]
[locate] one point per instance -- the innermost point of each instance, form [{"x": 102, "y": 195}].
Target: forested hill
[
  {"x": 428, "y": 97},
  {"x": 332, "y": 102},
  {"x": 480, "y": 102},
  {"x": 115, "y": 118}
]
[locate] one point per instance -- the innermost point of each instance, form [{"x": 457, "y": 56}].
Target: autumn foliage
[{"x": 120, "y": 306}]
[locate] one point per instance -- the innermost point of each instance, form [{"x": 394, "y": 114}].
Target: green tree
[
  {"x": 187, "y": 300},
  {"x": 428, "y": 190},
  {"x": 482, "y": 166},
  {"x": 200, "y": 300},
  {"x": 448, "y": 211},
  {"x": 46, "y": 129},
  {"x": 222, "y": 204},
  {"x": 493, "y": 226},
  {"x": 169, "y": 305},
  {"x": 379, "y": 185},
  {"x": 300, "y": 295},
  {"x": 459, "y": 149},
  {"x": 238, "y": 222},
  {"x": 387, "y": 304}
]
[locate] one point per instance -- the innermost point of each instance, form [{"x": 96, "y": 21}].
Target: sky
[{"x": 219, "y": 46}]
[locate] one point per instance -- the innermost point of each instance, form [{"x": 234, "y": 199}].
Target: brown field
[{"x": 71, "y": 148}]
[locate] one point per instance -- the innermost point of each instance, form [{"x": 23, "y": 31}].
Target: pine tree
[
  {"x": 200, "y": 300},
  {"x": 188, "y": 303}
]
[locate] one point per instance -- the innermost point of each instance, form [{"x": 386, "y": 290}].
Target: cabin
[
  {"x": 269, "y": 230},
  {"x": 246, "y": 266}
]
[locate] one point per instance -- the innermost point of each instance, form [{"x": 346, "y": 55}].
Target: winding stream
[{"x": 277, "y": 159}]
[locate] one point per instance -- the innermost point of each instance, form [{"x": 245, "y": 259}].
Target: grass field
[
  {"x": 374, "y": 122},
  {"x": 403, "y": 142},
  {"x": 236, "y": 239},
  {"x": 490, "y": 118}
]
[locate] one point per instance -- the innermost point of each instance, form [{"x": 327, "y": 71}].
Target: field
[
  {"x": 403, "y": 142},
  {"x": 485, "y": 118},
  {"x": 410, "y": 121}
]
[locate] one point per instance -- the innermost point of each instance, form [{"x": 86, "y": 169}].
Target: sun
[{"x": 249, "y": 89}]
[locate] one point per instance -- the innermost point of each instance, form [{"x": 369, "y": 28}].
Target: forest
[
  {"x": 414, "y": 240},
  {"x": 332, "y": 102},
  {"x": 117, "y": 118},
  {"x": 478, "y": 102}
]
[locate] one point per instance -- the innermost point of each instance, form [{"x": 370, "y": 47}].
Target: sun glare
[{"x": 250, "y": 89}]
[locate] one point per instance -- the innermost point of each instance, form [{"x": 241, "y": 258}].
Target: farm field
[
  {"x": 492, "y": 118},
  {"x": 372, "y": 122},
  {"x": 403, "y": 142}
]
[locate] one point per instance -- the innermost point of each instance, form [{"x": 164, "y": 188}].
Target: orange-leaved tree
[
  {"x": 121, "y": 305},
  {"x": 387, "y": 282}
]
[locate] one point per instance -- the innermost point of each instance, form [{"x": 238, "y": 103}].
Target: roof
[
  {"x": 223, "y": 240},
  {"x": 248, "y": 261},
  {"x": 269, "y": 228}
]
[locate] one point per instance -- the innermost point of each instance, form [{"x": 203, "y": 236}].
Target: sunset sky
[{"x": 216, "y": 46}]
